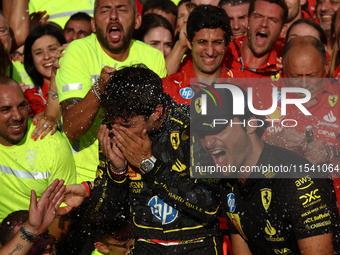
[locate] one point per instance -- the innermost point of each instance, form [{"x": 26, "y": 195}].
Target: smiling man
[
  {"x": 269, "y": 212},
  {"x": 253, "y": 55},
  {"x": 325, "y": 9},
  {"x": 26, "y": 164},
  {"x": 110, "y": 45},
  {"x": 209, "y": 34},
  {"x": 237, "y": 12}
]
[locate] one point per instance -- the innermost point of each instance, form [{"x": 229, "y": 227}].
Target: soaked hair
[
  {"x": 304, "y": 42},
  {"x": 9, "y": 223},
  {"x": 232, "y": 2},
  {"x": 208, "y": 16},
  {"x": 280, "y": 3},
  {"x": 132, "y": 91}
]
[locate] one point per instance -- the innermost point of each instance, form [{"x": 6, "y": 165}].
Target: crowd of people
[{"x": 109, "y": 107}]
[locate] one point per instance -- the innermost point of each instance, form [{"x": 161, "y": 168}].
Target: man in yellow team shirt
[
  {"x": 24, "y": 163},
  {"x": 111, "y": 45}
]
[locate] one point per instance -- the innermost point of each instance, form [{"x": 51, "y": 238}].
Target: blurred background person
[
  {"x": 157, "y": 32},
  {"x": 78, "y": 26},
  {"x": 165, "y": 8},
  {"x": 40, "y": 48},
  {"x": 237, "y": 11}
]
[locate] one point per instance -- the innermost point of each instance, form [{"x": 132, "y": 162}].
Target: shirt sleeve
[
  {"x": 172, "y": 182},
  {"x": 63, "y": 162},
  {"x": 73, "y": 78},
  {"x": 310, "y": 205}
]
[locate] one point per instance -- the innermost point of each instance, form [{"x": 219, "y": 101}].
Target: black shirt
[{"x": 271, "y": 214}]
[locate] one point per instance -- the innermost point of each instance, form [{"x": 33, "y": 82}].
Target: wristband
[
  {"x": 95, "y": 92},
  {"x": 53, "y": 93},
  {"x": 90, "y": 185},
  {"x": 87, "y": 189},
  {"x": 27, "y": 235},
  {"x": 119, "y": 171}
]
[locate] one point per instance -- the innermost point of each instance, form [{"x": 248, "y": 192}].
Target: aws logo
[{"x": 306, "y": 182}]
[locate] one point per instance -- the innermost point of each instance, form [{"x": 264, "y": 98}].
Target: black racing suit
[
  {"x": 273, "y": 211},
  {"x": 166, "y": 205}
]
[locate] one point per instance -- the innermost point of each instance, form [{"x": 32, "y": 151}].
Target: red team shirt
[
  {"x": 237, "y": 70},
  {"x": 324, "y": 118},
  {"x": 36, "y": 99},
  {"x": 178, "y": 85}
]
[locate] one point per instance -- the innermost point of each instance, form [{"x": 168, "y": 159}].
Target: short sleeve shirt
[{"x": 32, "y": 165}]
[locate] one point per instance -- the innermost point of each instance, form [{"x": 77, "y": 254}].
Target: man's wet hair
[
  {"x": 312, "y": 23},
  {"x": 9, "y": 223},
  {"x": 304, "y": 42},
  {"x": 280, "y": 3},
  {"x": 132, "y": 91},
  {"x": 232, "y": 2},
  {"x": 79, "y": 16},
  {"x": 208, "y": 16},
  {"x": 132, "y": 2},
  {"x": 165, "y": 5}
]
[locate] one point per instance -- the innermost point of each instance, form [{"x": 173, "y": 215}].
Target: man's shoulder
[
  {"x": 145, "y": 52},
  {"x": 57, "y": 141},
  {"x": 80, "y": 46},
  {"x": 179, "y": 113},
  {"x": 277, "y": 155}
]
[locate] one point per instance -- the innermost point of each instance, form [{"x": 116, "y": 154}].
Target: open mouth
[
  {"x": 219, "y": 156},
  {"x": 261, "y": 37},
  {"x": 115, "y": 32}
]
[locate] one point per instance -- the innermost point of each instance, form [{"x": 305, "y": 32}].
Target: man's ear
[
  {"x": 138, "y": 20},
  {"x": 302, "y": 2},
  {"x": 101, "y": 247},
  {"x": 157, "y": 113},
  {"x": 93, "y": 25},
  {"x": 253, "y": 125},
  {"x": 284, "y": 31}
]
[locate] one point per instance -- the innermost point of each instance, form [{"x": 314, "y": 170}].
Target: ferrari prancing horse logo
[
  {"x": 266, "y": 196},
  {"x": 174, "y": 139}
]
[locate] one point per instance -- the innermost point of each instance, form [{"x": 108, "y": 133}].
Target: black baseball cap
[{"x": 218, "y": 105}]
